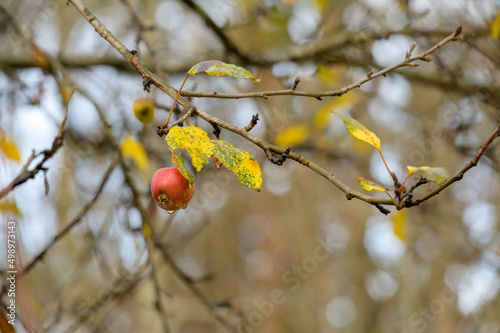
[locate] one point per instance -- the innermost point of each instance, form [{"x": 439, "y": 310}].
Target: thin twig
[
  {"x": 189, "y": 283},
  {"x": 160, "y": 308},
  {"x": 120, "y": 287},
  {"x": 228, "y": 43}
]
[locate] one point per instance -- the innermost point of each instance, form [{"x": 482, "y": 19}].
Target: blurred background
[{"x": 296, "y": 256}]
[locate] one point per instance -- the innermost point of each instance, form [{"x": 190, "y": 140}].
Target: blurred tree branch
[
  {"x": 81, "y": 214},
  {"x": 27, "y": 173}
]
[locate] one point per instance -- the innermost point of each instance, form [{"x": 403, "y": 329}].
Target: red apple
[{"x": 170, "y": 189}]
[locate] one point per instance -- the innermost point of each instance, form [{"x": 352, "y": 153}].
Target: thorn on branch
[
  {"x": 349, "y": 196},
  {"x": 370, "y": 73},
  {"x": 253, "y": 123},
  {"x": 458, "y": 31},
  {"x": 280, "y": 160},
  {"x": 383, "y": 210},
  {"x": 410, "y": 51},
  {"x": 296, "y": 83},
  {"x": 319, "y": 98},
  {"x": 216, "y": 131},
  {"x": 133, "y": 52}
]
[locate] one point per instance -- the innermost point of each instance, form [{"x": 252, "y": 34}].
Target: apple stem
[{"x": 175, "y": 101}]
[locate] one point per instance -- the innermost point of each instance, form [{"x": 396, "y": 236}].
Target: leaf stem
[
  {"x": 383, "y": 159},
  {"x": 403, "y": 184},
  {"x": 394, "y": 201},
  {"x": 175, "y": 101}
]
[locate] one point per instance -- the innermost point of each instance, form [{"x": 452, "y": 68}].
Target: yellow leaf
[
  {"x": 132, "y": 149},
  {"x": 400, "y": 225},
  {"x": 9, "y": 147},
  {"x": 146, "y": 231},
  {"x": 495, "y": 27},
  {"x": 195, "y": 141},
  {"x": 322, "y": 4},
  {"x": 323, "y": 115},
  {"x": 328, "y": 75},
  {"x": 368, "y": 185},
  {"x": 201, "y": 148},
  {"x": 359, "y": 131},
  {"x": 438, "y": 175},
  {"x": 9, "y": 207},
  {"x": 241, "y": 163},
  {"x": 292, "y": 135}
]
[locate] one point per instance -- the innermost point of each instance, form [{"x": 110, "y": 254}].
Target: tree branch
[
  {"x": 190, "y": 284},
  {"x": 26, "y": 173},
  {"x": 83, "y": 211},
  {"x": 151, "y": 78},
  {"x": 407, "y": 62}
]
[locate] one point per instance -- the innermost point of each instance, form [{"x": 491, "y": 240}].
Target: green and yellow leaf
[
  {"x": 292, "y": 135},
  {"x": 368, "y": 185},
  {"x": 495, "y": 27},
  {"x": 241, "y": 163},
  {"x": 438, "y": 175},
  {"x": 400, "y": 225},
  {"x": 359, "y": 131},
  {"x": 181, "y": 166},
  {"x": 132, "y": 149},
  {"x": 219, "y": 68},
  {"x": 195, "y": 141}
]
